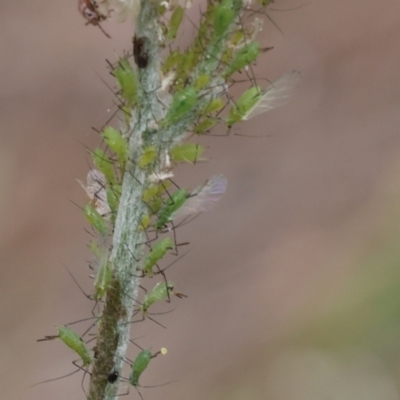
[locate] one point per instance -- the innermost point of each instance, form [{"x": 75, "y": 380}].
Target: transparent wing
[
  {"x": 204, "y": 197},
  {"x": 96, "y": 192},
  {"x": 277, "y": 94}
]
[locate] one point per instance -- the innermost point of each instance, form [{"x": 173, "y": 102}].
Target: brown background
[{"x": 292, "y": 280}]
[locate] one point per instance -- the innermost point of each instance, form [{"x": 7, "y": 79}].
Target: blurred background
[{"x": 293, "y": 279}]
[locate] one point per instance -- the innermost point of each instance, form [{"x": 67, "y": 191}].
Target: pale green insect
[
  {"x": 95, "y": 219},
  {"x": 175, "y": 22},
  {"x": 214, "y": 105},
  {"x": 202, "y": 81},
  {"x": 103, "y": 279},
  {"x": 223, "y": 18},
  {"x": 172, "y": 60},
  {"x": 74, "y": 342},
  {"x": 167, "y": 212},
  {"x": 148, "y": 156},
  {"x": 245, "y": 56},
  {"x": 183, "y": 204},
  {"x": 157, "y": 252},
  {"x": 139, "y": 365},
  {"x": 104, "y": 164},
  {"x": 188, "y": 152},
  {"x": 182, "y": 104},
  {"x": 104, "y": 271},
  {"x": 113, "y": 196},
  {"x": 127, "y": 81},
  {"x": 116, "y": 143},
  {"x": 160, "y": 292},
  {"x": 256, "y": 101},
  {"x": 205, "y": 125}
]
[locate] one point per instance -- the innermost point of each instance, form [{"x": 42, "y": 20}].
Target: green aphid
[
  {"x": 127, "y": 81},
  {"x": 223, "y": 18},
  {"x": 160, "y": 292},
  {"x": 172, "y": 60},
  {"x": 175, "y": 22},
  {"x": 186, "y": 64},
  {"x": 213, "y": 106},
  {"x": 245, "y": 102},
  {"x": 237, "y": 37},
  {"x": 255, "y": 101},
  {"x": 116, "y": 143},
  {"x": 182, "y": 104},
  {"x": 144, "y": 222},
  {"x": 74, "y": 342},
  {"x": 202, "y": 81},
  {"x": 245, "y": 56},
  {"x": 188, "y": 152},
  {"x": 150, "y": 192},
  {"x": 139, "y": 365},
  {"x": 152, "y": 197},
  {"x": 148, "y": 156},
  {"x": 205, "y": 125},
  {"x": 168, "y": 211},
  {"x": 227, "y": 56},
  {"x": 113, "y": 196},
  {"x": 157, "y": 252},
  {"x": 104, "y": 164},
  {"x": 95, "y": 219},
  {"x": 103, "y": 278}
]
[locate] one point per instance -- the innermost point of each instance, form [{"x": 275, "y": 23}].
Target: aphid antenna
[
  {"x": 89, "y": 297},
  {"x": 290, "y": 9},
  {"x": 246, "y": 80},
  {"x": 110, "y": 88},
  {"x": 75, "y": 204},
  {"x": 83, "y": 320},
  {"x": 253, "y": 136},
  {"x": 107, "y": 121},
  {"x": 135, "y": 344},
  {"x": 125, "y": 56}
]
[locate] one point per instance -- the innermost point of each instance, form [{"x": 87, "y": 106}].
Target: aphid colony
[{"x": 192, "y": 97}]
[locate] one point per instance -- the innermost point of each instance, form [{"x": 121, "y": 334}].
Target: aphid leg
[
  {"x": 83, "y": 377},
  {"x": 89, "y": 297},
  {"x": 79, "y": 368},
  {"x": 171, "y": 264}
]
